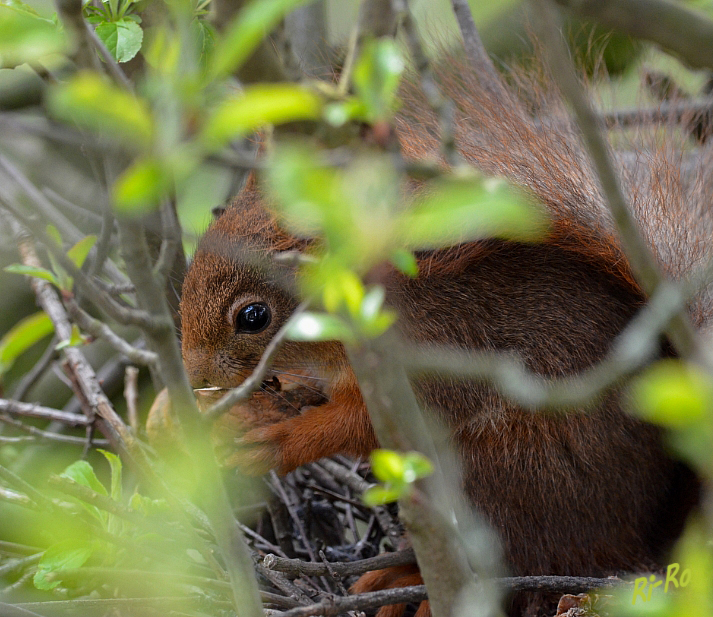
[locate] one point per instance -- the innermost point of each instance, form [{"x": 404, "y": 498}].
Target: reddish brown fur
[{"x": 571, "y": 494}]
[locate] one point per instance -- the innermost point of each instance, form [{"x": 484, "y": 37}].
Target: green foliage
[
  {"x": 256, "y": 107},
  {"x": 25, "y": 36},
  {"x": 58, "y": 276},
  {"x": 93, "y": 102},
  {"x": 245, "y": 33},
  {"x": 376, "y": 78},
  {"x": 117, "y": 27},
  {"x": 122, "y": 38},
  {"x": 358, "y": 213},
  {"x": 22, "y": 336},
  {"x": 679, "y": 395},
  {"x": 63, "y": 555},
  {"x": 398, "y": 472}
]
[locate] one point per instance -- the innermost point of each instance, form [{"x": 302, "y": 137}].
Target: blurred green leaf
[
  {"x": 94, "y": 103},
  {"x": 381, "y": 495},
  {"x": 65, "y": 555},
  {"x": 25, "y": 36},
  {"x": 53, "y": 233},
  {"x": 141, "y": 188},
  {"x": 454, "y": 210},
  {"x": 417, "y": 466},
  {"x": 372, "y": 303},
  {"x": 308, "y": 193},
  {"x": 404, "y": 261},
  {"x": 254, "y": 21},
  {"x": 319, "y": 327},
  {"x": 256, "y": 107},
  {"x": 40, "y": 273},
  {"x": 78, "y": 253},
  {"x": 342, "y": 288},
  {"x": 122, "y": 38},
  {"x": 21, "y": 337},
  {"x": 673, "y": 393},
  {"x": 76, "y": 339},
  {"x": 388, "y": 466},
  {"x": 376, "y": 78}
]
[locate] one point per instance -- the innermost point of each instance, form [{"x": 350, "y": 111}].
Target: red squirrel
[{"x": 591, "y": 493}]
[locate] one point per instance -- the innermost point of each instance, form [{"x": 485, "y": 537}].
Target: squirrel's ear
[{"x": 217, "y": 212}]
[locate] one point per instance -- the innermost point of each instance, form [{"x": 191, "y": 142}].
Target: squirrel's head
[{"x": 236, "y": 297}]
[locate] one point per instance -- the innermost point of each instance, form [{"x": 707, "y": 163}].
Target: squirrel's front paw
[{"x": 260, "y": 450}]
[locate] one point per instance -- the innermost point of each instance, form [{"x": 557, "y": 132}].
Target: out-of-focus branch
[
  {"x": 150, "y": 296},
  {"x": 434, "y": 514},
  {"x": 635, "y": 346},
  {"x": 681, "y": 331},
  {"x": 682, "y": 31}
]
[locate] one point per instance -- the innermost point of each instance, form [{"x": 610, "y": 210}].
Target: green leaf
[
  {"x": 381, "y": 495},
  {"x": 40, "y": 273},
  {"x": 253, "y": 23},
  {"x": 404, "y": 261},
  {"x": 258, "y": 106},
  {"x": 78, "y": 253},
  {"x": 417, "y": 466},
  {"x": 388, "y": 466},
  {"x": 94, "y": 103},
  {"x": 77, "y": 339},
  {"x": 376, "y": 78},
  {"x": 673, "y": 393},
  {"x": 115, "y": 464},
  {"x": 141, "y": 188},
  {"x": 205, "y": 35},
  {"x": 65, "y": 555},
  {"x": 26, "y": 37},
  {"x": 455, "y": 211},
  {"x": 319, "y": 327},
  {"x": 22, "y": 336},
  {"x": 82, "y": 473},
  {"x": 122, "y": 38},
  {"x": 53, "y": 233}
]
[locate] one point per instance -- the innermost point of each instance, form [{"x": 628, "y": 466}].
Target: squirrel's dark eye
[{"x": 253, "y": 318}]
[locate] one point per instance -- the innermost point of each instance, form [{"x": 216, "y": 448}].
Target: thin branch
[
  {"x": 252, "y": 383},
  {"x": 361, "y": 602},
  {"x": 131, "y": 396},
  {"x": 49, "y": 212},
  {"x": 443, "y": 107},
  {"x": 39, "y": 368},
  {"x": 98, "y": 329},
  {"x": 39, "y": 434},
  {"x": 30, "y": 410},
  {"x": 170, "y": 243},
  {"x": 296, "y": 567}
]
